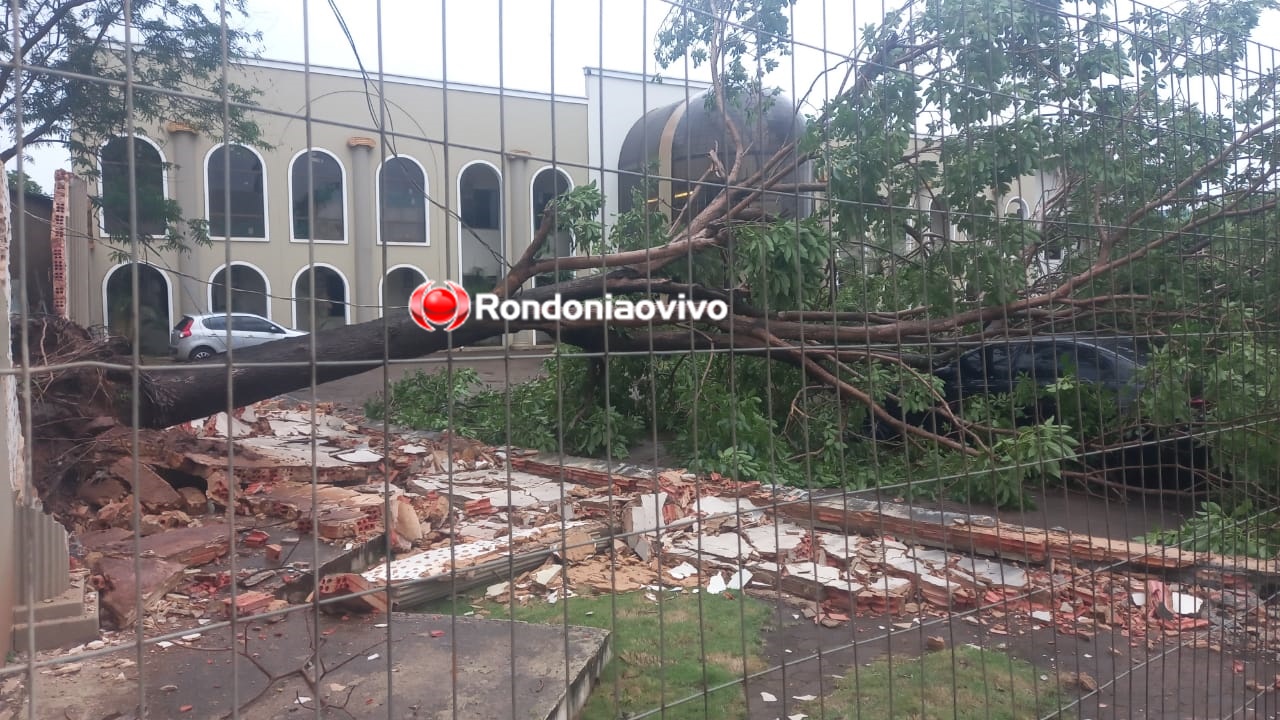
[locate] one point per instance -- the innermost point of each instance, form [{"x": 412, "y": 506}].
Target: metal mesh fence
[{"x": 677, "y": 358}]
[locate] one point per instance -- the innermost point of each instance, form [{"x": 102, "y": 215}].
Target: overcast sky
[{"x": 538, "y": 45}]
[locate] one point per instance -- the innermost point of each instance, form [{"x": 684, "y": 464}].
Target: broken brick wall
[
  {"x": 58, "y": 241},
  {"x": 83, "y": 294},
  {"x": 34, "y": 558},
  {"x": 10, "y": 481}
]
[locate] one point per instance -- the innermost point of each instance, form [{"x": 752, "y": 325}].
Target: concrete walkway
[{"x": 435, "y": 665}]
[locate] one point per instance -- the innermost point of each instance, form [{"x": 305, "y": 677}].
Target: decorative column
[
  {"x": 516, "y": 221},
  {"x": 364, "y": 239},
  {"x": 185, "y": 175}
]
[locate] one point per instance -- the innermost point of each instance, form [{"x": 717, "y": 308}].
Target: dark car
[{"x": 1113, "y": 363}]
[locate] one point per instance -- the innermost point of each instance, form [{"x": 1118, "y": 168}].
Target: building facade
[
  {"x": 330, "y": 220},
  {"x": 334, "y": 219}
]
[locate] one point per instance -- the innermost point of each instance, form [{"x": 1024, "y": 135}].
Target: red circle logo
[{"x": 444, "y": 307}]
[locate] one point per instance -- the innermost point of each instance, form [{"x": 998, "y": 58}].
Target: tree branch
[{"x": 40, "y": 33}]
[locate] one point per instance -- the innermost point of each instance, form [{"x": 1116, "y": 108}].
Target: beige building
[
  {"x": 453, "y": 189},
  {"x": 389, "y": 210}
]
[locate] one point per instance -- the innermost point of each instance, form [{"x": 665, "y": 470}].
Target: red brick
[{"x": 248, "y": 602}]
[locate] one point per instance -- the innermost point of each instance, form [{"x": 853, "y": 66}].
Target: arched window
[
  {"x": 327, "y": 194},
  {"x": 399, "y": 283},
  {"x": 329, "y": 296},
  {"x": 149, "y": 185},
  {"x": 547, "y": 185},
  {"x": 480, "y": 252},
  {"x": 402, "y": 202},
  {"x": 250, "y": 292},
  {"x": 940, "y": 218},
  {"x": 247, "y": 183},
  {"x": 1017, "y": 208},
  {"x": 152, "y": 318}
]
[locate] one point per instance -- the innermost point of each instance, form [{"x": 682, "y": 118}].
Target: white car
[{"x": 200, "y": 337}]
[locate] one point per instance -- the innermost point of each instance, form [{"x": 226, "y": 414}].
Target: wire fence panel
[{"x": 646, "y": 358}]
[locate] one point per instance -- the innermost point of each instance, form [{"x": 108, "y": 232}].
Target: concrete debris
[
  {"x": 717, "y": 585},
  {"x": 725, "y": 546},
  {"x": 404, "y": 520},
  {"x": 359, "y": 455},
  {"x": 781, "y": 543},
  {"x": 740, "y": 579},
  {"x": 546, "y": 576},
  {"x": 682, "y": 571},
  {"x": 646, "y": 515}
]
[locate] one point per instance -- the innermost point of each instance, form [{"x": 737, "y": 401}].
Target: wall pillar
[
  {"x": 187, "y": 181},
  {"x": 364, "y": 234},
  {"x": 516, "y": 221}
]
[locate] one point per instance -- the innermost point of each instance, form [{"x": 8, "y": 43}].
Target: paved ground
[{"x": 435, "y": 668}]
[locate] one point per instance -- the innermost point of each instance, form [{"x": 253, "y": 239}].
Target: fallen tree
[{"x": 1155, "y": 221}]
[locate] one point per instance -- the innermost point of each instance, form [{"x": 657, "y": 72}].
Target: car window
[
  {"x": 1044, "y": 362},
  {"x": 1054, "y": 360},
  {"x": 1091, "y": 365},
  {"x": 992, "y": 361},
  {"x": 216, "y": 322},
  {"x": 251, "y": 324},
  {"x": 999, "y": 363},
  {"x": 972, "y": 364}
]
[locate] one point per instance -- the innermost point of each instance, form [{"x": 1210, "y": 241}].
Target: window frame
[
  {"x": 266, "y": 284},
  {"x": 266, "y": 196},
  {"x": 382, "y": 284},
  {"x": 347, "y": 302},
  {"x": 268, "y": 326},
  {"x": 464, "y": 228},
  {"x": 426, "y": 204},
  {"x": 164, "y": 180},
  {"x": 345, "y": 203}
]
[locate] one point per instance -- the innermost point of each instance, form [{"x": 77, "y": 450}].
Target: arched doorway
[
  {"x": 549, "y": 184},
  {"x": 249, "y": 290},
  {"x": 154, "y": 315},
  {"x": 398, "y": 285},
  {"x": 329, "y": 297}
]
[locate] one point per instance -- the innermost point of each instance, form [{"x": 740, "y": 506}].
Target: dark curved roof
[{"x": 699, "y": 129}]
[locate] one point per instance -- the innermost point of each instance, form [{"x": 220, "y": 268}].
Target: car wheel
[{"x": 201, "y": 353}]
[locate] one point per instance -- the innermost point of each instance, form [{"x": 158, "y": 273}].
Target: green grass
[
  {"x": 966, "y": 684},
  {"x": 658, "y": 658}
]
